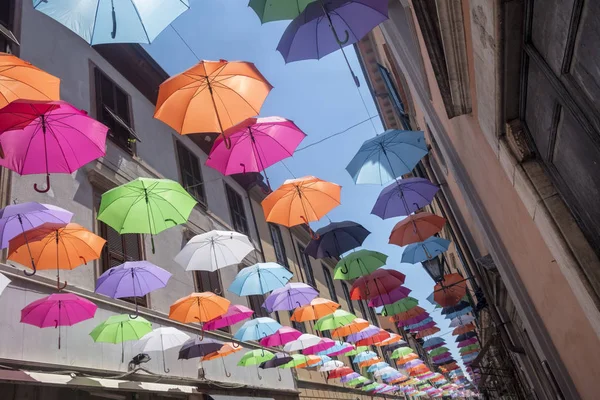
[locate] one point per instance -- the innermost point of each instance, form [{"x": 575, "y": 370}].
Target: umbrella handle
[
  {"x": 35, "y": 185},
  {"x": 31, "y": 273},
  {"x": 113, "y": 34},
  {"x": 227, "y": 142},
  {"x": 344, "y": 269},
  {"x": 337, "y": 38},
  {"x": 313, "y": 235},
  {"x": 60, "y": 287},
  {"x": 235, "y": 345},
  {"x": 134, "y": 316}
]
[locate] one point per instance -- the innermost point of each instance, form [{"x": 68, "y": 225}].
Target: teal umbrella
[
  {"x": 278, "y": 10},
  {"x": 359, "y": 263}
]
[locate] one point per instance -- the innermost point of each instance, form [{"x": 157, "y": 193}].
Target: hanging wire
[
  {"x": 336, "y": 134},
  {"x": 186, "y": 43}
]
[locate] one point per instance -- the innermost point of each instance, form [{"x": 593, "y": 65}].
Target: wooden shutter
[
  {"x": 111, "y": 98},
  {"x": 306, "y": 265},
  {"x": 278, "y": 245},
  {"x": 207, "y": 281}
]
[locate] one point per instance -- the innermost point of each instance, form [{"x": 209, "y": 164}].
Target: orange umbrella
[
  {"x": 392, "y": 339},
  {"x": 310, "y": 361},
  {"x": 450, "y": 291},
  {"x": 427, "y": 332},
  {"x": 21, "y": 80},
  {"x": 405, "y": 359},
  {"x": 463, "y": 329},
  {"x": 198, "y": 307},
  {"x": 403, "y": 316},
  {"x": 227, "y": 349},
  {"x": 52, "y": 245},
  {"x": 370, "y": 362},
  {"x": 416, "y": 228},
  {"x": 376, "y": 338},
  {"x": 299, "y": 201},
  {"x": 318, "y": 308},
  {"x": 399, "y": 380},
  {"x": 211, "y": 97},
  {"x": 470, "y": 352},
  {"x": 353, "y": 327}
]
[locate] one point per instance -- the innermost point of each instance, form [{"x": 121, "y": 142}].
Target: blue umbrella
[
  {"x": 260, "y": 279},
  {"x": 336, "y": 239},
  {"x": 387, "y": 156},
  {"x": 110, "y": 21},
  {"x": 324, "y": 359},
  {"x": 403, "y": 197},
  {"x": 420, "y": 323},
  {"x": 434, "y": 341},
  {"x": 425, "y": 250},
  {"x": 257, "y": 329},
  {"x": 337, "y": 347},
  {"x": 364, "y": 356},
  {"x": 377, "y": 366},
  {"x": 459, "y": 313}
]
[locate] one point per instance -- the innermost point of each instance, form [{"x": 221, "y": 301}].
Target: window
[
  {"x": 191, "y": 174},
  {"x": 306, "y": 266},
  {"x": 236, "y": 208},
  {"x": 347, "y": 297},
  {"x": 329, "y": 281},
  {"x": 255, "y": 302},
  {"x": 6, "y": 17},
  {"x": 354, "y": 366},
  {"x": 373, "y": 316},
  {"x": 299, "y": 326},
  {"x": 278, "y": 245},
  {"x": 113, "y": 110},
  {"x": 363, "y": 311}
]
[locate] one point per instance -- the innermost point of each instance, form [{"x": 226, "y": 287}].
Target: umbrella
[
  {"x": 299, "y": 201},
  {"x": 404, "y": 197},
  {"x": 292, "y": 295},
  {"x": 378, "y": 366},
  {"x": 56, "y": 310},
  {"x": 423, "y": 326},
  {"x": 337, "y": 238},
  {"x": 198, "y": 347},
  {"x": 416, "y": 228},
  {"x": 4, "y": 281},
  {"x": 401, "y": 292},
  {"x": 407, "y": 358},
  {"x": 278, "y": 360},
  {"x": 415, "y": 320},
  {"x": 467, "y": 342},
  {"x": 402, "y": 352},
  {"x": 256, "y": 329},
  {"x": 339, "y": 348},
  {"x": 356, "y": 382},
  {"x": 21, "y": 217},
  {"x": 394, "y": 338},
  {"x": 211, "y": 96},
  {"x": 438, "y": 351},
  {"x": 433, "y": 342},
  {"x": 198, "y": 307},
  {"x": 355, "y": 326},
  {"x": 412, "y": 312},
  {"x": 21, "y": 80},
  {"x": 121, "y": 328},
  {"x": 255, "y": 357},
  {"x": 419, "y": 324},
  {"x": 224, "y": 351},
  {"x": 146, "y": 205},
  {"x": 336, "y": 320},
  {"x": 43, "y": 137},
  {"x": 255, "y": 145},
  {"x": 161, "y": 339},
  {"x": 340, "y": 373},
  {"x": 283, "y": 335},
  {"x": 235, "y": 313},
  {"x": 463, "y": 329},
  {"x": 317, "y": 308},
  {"x": 459, "y": 313},
  {"x": 52, "y": 245},
  {"x": 365, "y": 333},
  {"x": 427, "y": 332},
  {"x": 104, "y": 21},
  {"x": 268, "y": 10},
  {"x": 302, "y": 361},
  {"x": 331, "y": 365},
  {"x": 260, "y": 279},
  {"x": 345, "y": 378},
  {"x": 450, "y": 290},
  {"x": 132, "y": 279},
  {"x": 324, "y": 344},
  {"x": 213, "y": 250},
  {"x": 357, "y": 350},
  {"x": 413, "y": 363},
  {"x": 377, "y": 283},
  {"x": 400, "y": 306},
  {"x": 387, "y": 156},
  {"x": 458, "y": 307},
  {"x": 426, "y": 250},
  {"x": 359, "y": 263},
  {"x": 304, "y": 341},
  {"x": 374, "y": 339}
]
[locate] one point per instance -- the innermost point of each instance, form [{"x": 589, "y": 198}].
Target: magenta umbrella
[
  {"x": 60, "y": 309},
  {"x": 323, "y": 345},
  {"x": 414, "y": 320},
  {"x": 423, "y": 327},
  {"x": 256, "y": 144},
  {"x": 395, "y": 295},
  {"x": 235, "y": 313},
  {"x": 467, "y": 342},
  {"x": 43, "y": 137},
  {"x": 281, "y": 336}
]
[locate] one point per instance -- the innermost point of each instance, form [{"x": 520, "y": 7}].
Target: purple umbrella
[
  {"x": 404, "y": 197},
  {"x": 364, "y": 334},
  {"x": 423, "y": 327},
  {"x": 444, "y": 360},
  {"x": 414, "y": 320},
  {"x": 197, "y": 347},
  {"x": 412, "y": 363},
  {"x": 467, "y": 342},
  {"x": 235, "y": 313},
  {"x": 349, "y": 377},
  {"x": 390, "y": 298},
  {"x": 132, "y": 279},
  {"x": 292, "y": 295},
  {"x": 441, "y": 356},
  {"x": 277, "y": 361}
]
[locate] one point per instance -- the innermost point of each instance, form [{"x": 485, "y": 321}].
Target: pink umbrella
[
  {"x": 281, "y": 336},
  {"x": 441, "y": 356},
  {"x": 323, "y": 345},
  {"x": 414, "y": 320},
  {"x": 343, "y": 350},
  {"x": 467, "y": 342},
  {"x": 256, "y": 144},
  {"x": 43, "y": 137},
  {"x": 423, "y": 327},
  {"x": 235, "y": 313},
  {"x": 395, "y": 295},
  {"x": 60, "y": 309}
]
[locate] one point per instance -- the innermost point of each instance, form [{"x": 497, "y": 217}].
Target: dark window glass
[
  {"x": 255, "y": 303},
  {"x": 363, "y": 310},
  {"x": 299, "y": 326},
  {"x": 329, "y": 281},
  {"x": 372, "y": 316},
  {"x": 6, "y": 13},
  {"x": 306, "y": 266},
  {"x": 207, "y": 281},
  {"x": 347, "y": 297},
  {"x": 237, "y": 210},
  {"x": 191, "y": 174},
  {"x": 278, "y": 245}
]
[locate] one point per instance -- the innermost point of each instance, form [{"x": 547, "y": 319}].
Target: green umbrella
[
  {"x": 402, "y": 352},
  {"x": 255, "y": 357},
  {"x": 438, "y": 351},
  {"x": 278, "y": 10},
  {"x": 333, "y": 321},
  {"x": 371, "y": 386},
  {"x": 297, "y": 360},
  {"x": 146, "y": 205},
  {"x": 358, "y": 349},
  {"x": 359, "y": 263},
  {"x": 119, "y": 329},
  {"x": 400, "y": 306},
  {"x": 469, "y": 348},
  {"x": 356, "y": 381}
]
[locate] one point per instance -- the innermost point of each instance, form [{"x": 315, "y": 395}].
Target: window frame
[
  {"x": 7, "y": 36},
  {"x": 198, "y": 194},
  {"x": 306, "y": 265},
  {"x": 348, "y": 298},
  {"x": 363, "y": 310},
  {"x": 330, "y": 283},
  {"x": 299, "y": 326},
  {"x": 278, "y": 243},
  {"x": 229, "y": 193}
]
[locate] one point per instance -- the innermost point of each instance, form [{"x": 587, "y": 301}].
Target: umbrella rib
[
  {"x": 26, "y": 84},
  {"x": 51, "y": 129},
  {"x": 33, "y": 135}
]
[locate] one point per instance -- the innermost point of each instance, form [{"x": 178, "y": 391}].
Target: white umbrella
[
  {"x": 304, "y": 341},
  {"x": 4, "y": 281},
  {"x": 213, "y": 250},
  {"x": 462, "y": 320},
  {"x": 331, "y": 365},
  {"x": 383, "y": 371},
  {"x": 161, "y": 339}
]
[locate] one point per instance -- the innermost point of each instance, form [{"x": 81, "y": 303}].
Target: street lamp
[{"x": 435, "y": 268}]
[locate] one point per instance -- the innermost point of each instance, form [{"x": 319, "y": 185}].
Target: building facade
[{"x": 511, "y": 119}]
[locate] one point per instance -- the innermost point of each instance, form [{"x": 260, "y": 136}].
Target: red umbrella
[
  {"x": 339, "y": 372},
  {"x": 375, "y": 339},
  {"x": 463, "y": 329},
  {"x": 427, "y": 332},
  {"x": 377, "y": 283},
  {"x": 450, "y": 291},
  {"x": 416, "y": 228},
  {"x": 413, "y": 312}
]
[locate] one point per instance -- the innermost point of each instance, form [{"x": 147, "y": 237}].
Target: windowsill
[{"x": 122, "y": 146}]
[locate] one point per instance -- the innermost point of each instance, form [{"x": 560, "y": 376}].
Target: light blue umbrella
[
  {"x": 425, "y": 250},
  {"x": 387, "y": 156},
  {"x": 378, "y": 366},
  {"x": 260, "y": 279},
  {"x": 114, "y": 21},
  {"x": 434, "y": 341},
  {"x": 324, "y": 359},
  {"x": 337, "y": 347},
  {"x": 459, "y": 313},
  {"x": 364, "y": 356},
  {"x": 257, "y": 329},
  {"x": 420, "y": 323}
]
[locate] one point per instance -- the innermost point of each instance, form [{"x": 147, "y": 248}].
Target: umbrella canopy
[
  {"x": 21, "y": 80},
  {"x": 369, "y": 362},
  {"x": 198, "y": 347},
  {"x": 326, "y": 26},
  {"x": 318, "y": 308},
  {"x": 260, "y": 279},
  {"x": 464, "y": 329},
  {"x": 394, "y": 338},
  {"x": 235, "y": 313},
  {"x": 211, "y": 96},
  {"x": 4, "y": 281},
  {"x": 335, "y": 320},
  {"x": 401, "y": 292},
  {"x": 225, "y": 350},
  {"x": 403, "y": 316},
  {"x": 213, "y": 250},
  {"x": 299, "y": 201},
  {"x": 416, "y": 228},
  {"x": 355, "y": 326},
  {"x": 119, "y": 329},
  {"x": 401, "y": 306},
  {"x": 146, "y": 205},
  {"x": 357, "y": 350},
  {"x": 21, "y": 217},
  {"x": 402, "y": 352},
  {"x": 426, "y": 250},
  {"x": 467, "y": 342},
  {"x": 337, "y": 238},
  {"x": 374, "y": 339},
  {"x": 257, "y": 329},
  {"x": 404, "y": 197},
  {"x": 44, "y": 137},
  {"x": 198, "y": 307},
  {"x": 378, "y": 366},
  {"x": 459, "y": 313},
  {"x": 377, "y": 283},
  {"x": 458, "y": 307},
  {"x": 415, "y": 320},
  {"x": 450, "y": 290},
  {"x": 341, "y": 373},
  {"x": 290, "y": 296},
  {"x": 407, "y": 358},
  {"x": 339, "y": 348},
  {"x": 268, "y": 10},
  {"x": 359, "y": 263},
  {"x": 365, "y": 333},
  {"x": 387, "y": 156},
  {"x": 255, "y": 357},
  {"x": 304, "y": 341},
  {"x": 324, "y": 344},
  {"x": 103, "y": 21},
  {"x": 282, "y": 336},
  {"x": 433, "y": 341},
  {"x": 302, "y": 361},
  {"x": 278, "y": 360},
  {"x": 438, "y": 351},
  {"x": 419, "y": 324},
  {"x": 331, "y": 365},
  {"x": 164, "y": 338},
  {"x": 427, "y": 332}
]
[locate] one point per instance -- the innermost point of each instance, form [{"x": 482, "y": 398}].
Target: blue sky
[{"x": 319, "y": 96}]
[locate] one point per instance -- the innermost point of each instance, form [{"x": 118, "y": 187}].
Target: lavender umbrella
[
  {"x": 132, "y": 279},
  {"x": 404, "y": 197},
  {"x": 349, "y": 377},
  {"x": 390, "y": 298},
  {"x": 364, "y": 334},
  {"x": 292, "y": 295}
]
